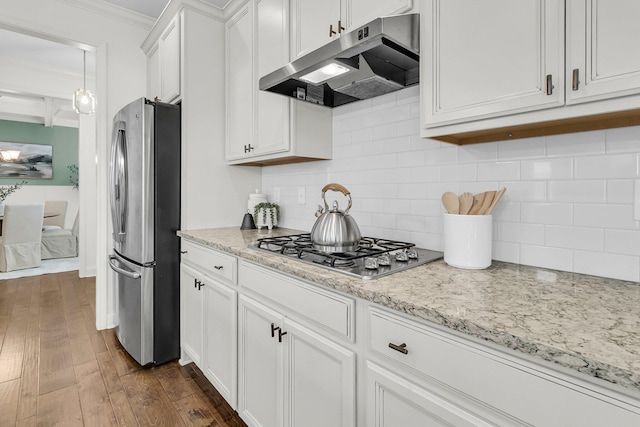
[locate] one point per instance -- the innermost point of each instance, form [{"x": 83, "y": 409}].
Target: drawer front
[
  {"x": 331, "y": 311},
  {"x": 500, "y": 381},
  {"x": 213, "y": 263}
]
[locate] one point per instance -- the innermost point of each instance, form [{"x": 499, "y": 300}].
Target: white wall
[{"x": 568, "y": 205}]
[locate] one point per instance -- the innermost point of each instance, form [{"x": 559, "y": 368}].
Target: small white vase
[{"x": 263, "y": 220}]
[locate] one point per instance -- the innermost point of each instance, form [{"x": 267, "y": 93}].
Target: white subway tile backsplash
[
  {"x": 623, "y": 267},
  {"x": 458, "y": 173},
  {"x": 475, "y": 153},
  {"x": 547, "y": 257},
  {"x": 607, "y": 166},
  {"x": 586, "y": 238},
  {"x": 618, "y": 217},
  {"x": 577, "y": 191},
  {"x": 576, "y": 144},
  {"x": 623, "y": 140},
  {"x": 568, "y": 205},
  {"x": 624, "y": 242},
  {"x": 519, "y": 149},
  {"x": 547, "y": 169},
  {"x": 499, "y": 171},
  {"x": 547, "y": 213},
  {"x": 620, "y": 191}
]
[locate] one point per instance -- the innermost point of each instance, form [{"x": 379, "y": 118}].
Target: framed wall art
[{"x": 26, "y": 161}]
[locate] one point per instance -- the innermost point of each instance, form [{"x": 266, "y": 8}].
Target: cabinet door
[
  {"x": 220, "y": 339},
  {"x": 271, "y": 52},
  {"x": 240, "y": 88},
  {"x": 487, "y": 59},
  {"x": 260, "y": 365},
  {"x": 320, "y": 380},
  {"x": 191, "y": 306},
  {"x": 363, "y": 11},
  {"x": 170, "y": 61},
  {"x": 153, "y": 73},
  {"x": 311, "y": 22},
  {"x": 393, "y": 401},
  {"x": 602, "y": 49}
]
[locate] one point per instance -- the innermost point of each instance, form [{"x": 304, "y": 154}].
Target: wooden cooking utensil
[
  {"x": 451, "y": 202},
  {"x": 466, "y": 201},
  {"x": 497, "y": 197},
  {"x": 478, "y": 199},
  {"x": 488, "y": 199}
]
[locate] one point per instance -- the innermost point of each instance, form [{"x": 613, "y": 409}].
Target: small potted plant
[{"x": 266, "y": 214}]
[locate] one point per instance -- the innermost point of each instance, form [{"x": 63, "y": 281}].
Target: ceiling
[{"x": 32, "y": 50}]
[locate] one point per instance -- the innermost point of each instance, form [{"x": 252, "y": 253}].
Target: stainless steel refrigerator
[{"x": 144, "y": 187}]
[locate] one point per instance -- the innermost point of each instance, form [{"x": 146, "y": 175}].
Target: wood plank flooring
[{"x": 56, "y": 369}]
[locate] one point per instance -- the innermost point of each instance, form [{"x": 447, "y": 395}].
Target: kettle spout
[{"x": 318, "y": 213}]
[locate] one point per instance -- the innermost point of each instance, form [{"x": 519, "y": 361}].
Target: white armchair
[
  {"x": 59, "y": 242},
  {"x": 21, "y": 234}
]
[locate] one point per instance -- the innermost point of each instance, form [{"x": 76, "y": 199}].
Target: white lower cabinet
[
  {"x": 431, "y": 373},
  {"x": 191, "y": 314},
  {"x": 220, "y": 328},
  {"x": 208, "y": 316},
  {"x": 290, "y": 375}
]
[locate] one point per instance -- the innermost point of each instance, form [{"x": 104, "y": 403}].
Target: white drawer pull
[{"x": 402, "y": 348}]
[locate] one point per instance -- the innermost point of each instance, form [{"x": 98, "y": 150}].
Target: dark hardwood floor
[{"x": 56, "y": 369}]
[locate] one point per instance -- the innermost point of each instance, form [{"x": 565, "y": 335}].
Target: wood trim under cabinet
[{"x": 554, "y": 127}]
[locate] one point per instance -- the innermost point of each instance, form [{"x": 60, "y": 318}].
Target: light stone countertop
[{"x": 587, "y": 323}]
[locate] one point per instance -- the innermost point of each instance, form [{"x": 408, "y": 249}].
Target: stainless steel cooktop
[{"x": 374, "y": 257}]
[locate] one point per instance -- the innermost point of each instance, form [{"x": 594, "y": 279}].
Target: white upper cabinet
[
  {"x": 163, "y": 65},
  {"x": 498, "y": 70},
  {"x": 262, "y": 127},
  {"x": 602, "y": 49},
  {"x": 316, "y": 23},
  {"x": 491, "y": 58}
]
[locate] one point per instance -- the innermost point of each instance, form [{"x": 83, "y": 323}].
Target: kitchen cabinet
[
  {"x": 265, "y": 128},
  {"x": 290, "y": 372},
  {"x": 497, "y": 71},
  {"x": 191, "y": 315},
  {"x": 163, "y": 65},
  {"x": 600, "y": 36},
  {"x": 484, "y": 65},
  {"x": 208, "y": 323},
  {"x": 431, "y": 373},
  {"x": 317, "y": 23}
]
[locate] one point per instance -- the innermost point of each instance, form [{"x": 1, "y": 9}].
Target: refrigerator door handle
[
  {"x": 127, "y": 273},
  {"x": 118, "y": 181}
]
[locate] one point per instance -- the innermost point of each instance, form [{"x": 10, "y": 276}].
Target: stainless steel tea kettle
[{"x": 335, "y": 230}]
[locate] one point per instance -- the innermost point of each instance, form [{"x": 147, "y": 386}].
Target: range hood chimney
[{"x": 377, "y": 58}]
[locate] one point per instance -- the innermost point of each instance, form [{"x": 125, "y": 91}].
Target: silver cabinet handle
[
  {"x": 549, "y": 84},
  {"x": 331, "y": 32},
  {"x": 402, "y": 348},
  {"x": 127, "y": 273},
  {"x": 575, "y": 79}
]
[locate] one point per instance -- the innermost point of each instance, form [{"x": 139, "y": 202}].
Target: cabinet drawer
[
  {"x": 498, "y": 379},
  {"x": 214, "y": 264},
  {"x": 331, "y": 311}
]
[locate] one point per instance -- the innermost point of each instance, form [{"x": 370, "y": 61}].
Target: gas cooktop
[{"x": 374, "y": 257}]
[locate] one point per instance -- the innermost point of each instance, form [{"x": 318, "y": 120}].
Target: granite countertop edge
[{"x": 592, "y": 365}]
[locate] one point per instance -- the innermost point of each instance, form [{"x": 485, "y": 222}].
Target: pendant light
[{"x": 84, "y": 102}]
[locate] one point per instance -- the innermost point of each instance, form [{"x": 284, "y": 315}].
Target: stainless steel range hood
[{"x": 377, "y": 58}]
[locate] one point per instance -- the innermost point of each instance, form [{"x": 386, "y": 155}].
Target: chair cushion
[{"x": 46, "y": 228}]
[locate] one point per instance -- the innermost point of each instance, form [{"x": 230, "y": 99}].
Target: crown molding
[
  {"x": 103, "y": 8},
  {"x": 172, "y": 9}
]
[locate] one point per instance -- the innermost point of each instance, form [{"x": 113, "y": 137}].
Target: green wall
[{"x": 63, "y": 139}]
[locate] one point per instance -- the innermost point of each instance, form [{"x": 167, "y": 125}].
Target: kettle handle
[{"x": 338, "y": 188}]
